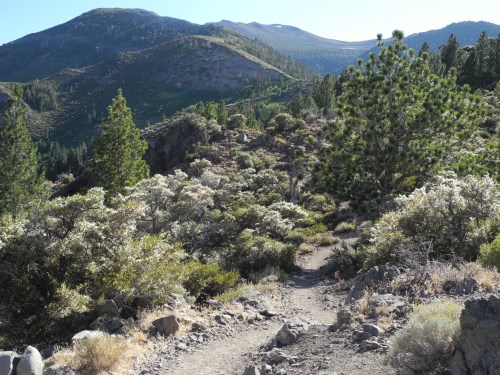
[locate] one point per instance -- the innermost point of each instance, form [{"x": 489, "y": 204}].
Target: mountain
[
  {"x": 320, "y": 54},
  {"x": 467, "y": 33},
  {"x": 95, "y": 37},
  {"x": 162, "y": 64},
  {"x": 332, "y": 56}
]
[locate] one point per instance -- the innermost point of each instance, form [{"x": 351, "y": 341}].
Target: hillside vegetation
[{"x": 398, "y": 156}]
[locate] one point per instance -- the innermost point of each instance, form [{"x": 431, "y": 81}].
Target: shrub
[
  {"x": 345, "y": 227},
  {"x": 426, "y": 344},
  {"x": 324, "y": 239},
  {"x": 207, "y": 280},
  {"x": 98, "y": 354},
  {"x": 253, "y": 253},
  {"x": 489, "y": 254},
  {"x": 344, "y": 262},
  {"x": 236, "y": 121},
  {"x": 455, "y": 216},
  {"x": 281, "y": 121}
]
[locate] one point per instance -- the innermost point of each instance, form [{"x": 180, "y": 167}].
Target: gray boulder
[
  {"x": 478, "y": 346},
  {"x": 8, "y": 361},
  {"x": 344, "y": 316},
  {"x": 31, "y": 362},
  {"x": 291, "y": 331},
  {"x": 242, "y": 138},
  {"x": 373, "y": 329},
  {"x": 167, "y": 325}
]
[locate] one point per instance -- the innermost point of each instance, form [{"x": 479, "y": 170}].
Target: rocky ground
[{"x": 310, "y": 342}]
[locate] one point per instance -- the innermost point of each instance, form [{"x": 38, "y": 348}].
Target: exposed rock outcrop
[{"x": 478, "y": 347}]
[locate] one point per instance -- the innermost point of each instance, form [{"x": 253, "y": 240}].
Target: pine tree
[
  {"x": 118, "y": 150},
  {"x": 324, "y": 92},
  {"x": 449, "y": 53},
  {"x": 395, "y": 120},
  {"x": 20, "y": 180}
]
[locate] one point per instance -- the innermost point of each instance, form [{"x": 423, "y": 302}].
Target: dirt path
[{"x": 229, "y": 355}]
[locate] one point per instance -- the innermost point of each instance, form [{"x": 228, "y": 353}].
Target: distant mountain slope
[
  {"x": 88, "y": 39},
  {"x": 332, "y": 56},
  {"x": 98, "y": 35},
  {"x": 320, "y": 54},
  {"x": 156, "y": 81},
  {"x": 467, "y": 33}
]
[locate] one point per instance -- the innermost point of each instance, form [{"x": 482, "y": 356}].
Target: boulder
[
  {"x": 373, "y": 329},
  {"x": 31, "y": 362},
  {"x": 242, "y": 138},
  {"x": 478, "y": 346},
  {"x": 344, "y": 316},
  {"x": 291, "y": 331},
  {"x": 108, "y": 307},
  {"x": 370, "y": 279},
  {"x": 198, "y": 327},
  {"x": 82, "y": 335},
  {"x": 8, "y": 362},
  {"x": 167, "y": 325},
  {"x": 108, "y": 323},
  {"x": 367, "y": 345}
]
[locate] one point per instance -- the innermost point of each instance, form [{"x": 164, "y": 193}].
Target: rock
[
  {"x": 47, "y": 352},
  {"x": 31, "y": 362},
  {"x": 373, "y": 329},
  {"x": 167, "y": 325},
  {"x": 251, "y": 370},
  {"x": 107, "y": 323},
  {"x": 181, "y": 346},
  {"x": 370, "y": 279},
  {"x": 361, "y": 335},
  {"x": 59, "y": 370},
  {"x": 266, "y": 369},
  {"x": 242, "y": 138},
  {"x": 86, "y": 335},
  {"x": 291, "y": 331},
  {"x": 344, "y": 316},
  {"x": 367, "y": 345},
  {"x": 198, "y": 327},
  {"x": 275, "y": 356},
  {"x": 178, "y": 302},
  {"x": 8, "y": 362},
  {"x": 223, "y": 320},
  {"x": 394, "y": 304},
  {"x": 467, "y": 286},
  {"x": 478, "y": 346},
  {"x": 108, "y": 307}
]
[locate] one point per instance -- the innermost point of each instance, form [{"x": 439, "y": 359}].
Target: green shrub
[
  {"x": 454, "y": 217},
  {"x": 253, "y": 253},
  {"x": 281, "y": 122},
  {"x": 489, "y": 254},
  {"x": 344, "y": 262},
  {"x": 426, "y": 344},
  {"x": 207, "y": 280}
]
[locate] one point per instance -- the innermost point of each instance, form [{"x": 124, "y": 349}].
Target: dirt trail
[{"x": 229, "y": 355}]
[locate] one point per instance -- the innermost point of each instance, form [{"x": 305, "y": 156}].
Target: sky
[{"x": 348, "y": 20}]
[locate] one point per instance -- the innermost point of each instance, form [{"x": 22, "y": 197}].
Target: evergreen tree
[
  {"x": 324, "y": 92},
  {"x": 221, "y": 113},
  {"x": 118, "y": 150},
  {"x": 20, "y": 180},
  {"x": 449, "y": 53},
  {"x": 395, "y": 119}
]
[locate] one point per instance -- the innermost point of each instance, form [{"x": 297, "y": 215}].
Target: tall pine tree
[
  {"x": 19, "y": 161},
  {"x": 395, "y": 120},
  {"x": 118, "y": 150}
]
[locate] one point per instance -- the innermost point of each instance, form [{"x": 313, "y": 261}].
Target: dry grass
[
  {"x": 363, "y": 305},
  {"x": 98, "y": 355},
  {"x": 306, "y": 248},
  {"x": 324, "y": 239},
  {"x": 382, "y": 310},
  {"x": 384, "y": 323},
  {"x": 263, "y": 287},
  {"x": 346, "y": 226}
]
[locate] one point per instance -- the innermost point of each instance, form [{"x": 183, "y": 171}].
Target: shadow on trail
[{"x": 305, "y": 278}]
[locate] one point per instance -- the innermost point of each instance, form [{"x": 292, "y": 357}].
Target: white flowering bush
[{"x": 454, "y": 216}]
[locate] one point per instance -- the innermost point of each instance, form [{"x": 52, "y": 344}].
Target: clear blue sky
[{"x": 344, "y": 20}]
